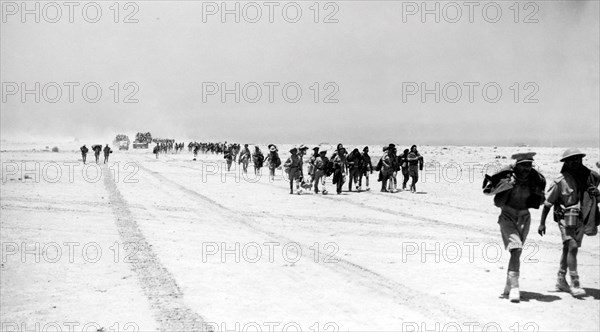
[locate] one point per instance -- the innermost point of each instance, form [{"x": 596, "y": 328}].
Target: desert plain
[{"x": 172, "y": 244}]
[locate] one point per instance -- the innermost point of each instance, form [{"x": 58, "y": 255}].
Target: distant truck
[
  {"x": 142, "y": 140},
  {"x": 140, "y": 145},
  {"x": 121, "y": 142}
]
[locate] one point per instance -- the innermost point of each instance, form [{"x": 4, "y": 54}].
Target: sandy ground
[{"x": 174, "y": 244}]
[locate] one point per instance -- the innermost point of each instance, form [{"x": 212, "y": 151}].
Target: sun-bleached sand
[{"x": 186, "y": 245}]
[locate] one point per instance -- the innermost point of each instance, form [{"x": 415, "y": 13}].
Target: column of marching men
[
  {"x": 353, "y": 168},
  {"x": 574, "y": 195}
]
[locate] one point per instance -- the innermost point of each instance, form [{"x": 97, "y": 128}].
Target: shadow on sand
[
  {"x": 592, "y": 292},
  {"x": 526, "y": 296}
]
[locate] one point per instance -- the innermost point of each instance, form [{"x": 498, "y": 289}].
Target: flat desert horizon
[{"x": 144, "y": 243}]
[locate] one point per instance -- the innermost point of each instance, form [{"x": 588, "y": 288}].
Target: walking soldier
[
  {"x": 517, "y": 188},
  {"x": 574, "y": 196}
]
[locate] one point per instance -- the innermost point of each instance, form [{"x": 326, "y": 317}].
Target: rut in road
[
  {"x": 546, "y": 244},
  {"x": 387, "y": 211},
  {"x": 426, "y": 304},
  {"x": 159, "y": 286}
]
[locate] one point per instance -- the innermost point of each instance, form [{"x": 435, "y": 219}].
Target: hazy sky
[{"x": 371, "y": 55}]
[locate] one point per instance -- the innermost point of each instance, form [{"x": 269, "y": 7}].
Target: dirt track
[{"x": 353, "y": 262}]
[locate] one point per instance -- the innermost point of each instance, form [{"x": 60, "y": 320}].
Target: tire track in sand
[
  {"x": 426, "y": 304},
  {"x": 396, "y": 213},
  {"x": 159, "y": 286}
]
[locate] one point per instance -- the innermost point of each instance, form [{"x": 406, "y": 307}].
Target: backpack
[
  {"x": 379, "y": 164},
  {"x": 329, "y": 168},
  {"x": 277, "y": 162}
]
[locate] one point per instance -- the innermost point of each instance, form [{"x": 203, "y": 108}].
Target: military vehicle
[
  {"x": 121, "y": 142},
  {"x": 142, "y": 140}
]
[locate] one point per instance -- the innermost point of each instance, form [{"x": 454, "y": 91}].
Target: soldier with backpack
[
  {"x": 228, "y": 156},
  {"x": 403, "y": 163},
  {"x": 245, "y": 158},
  {"x": 293, "y": 167},
  {"x": 385, "y": 168},
  {"x": 97, "y": 149},
  {"x": 84, "y": 152},
  {"x": 257, "y": 160},
  {"x": 354, "y": 169},
  {"x": 339, "y": 165},
  {"x": 322, "y": 170},
  {"x": 516, "y": 189},
  {"x": 273, "y": 160},
  {"x": 415, "y": 163},
  {"x": 107, "y": 152},
  {"x": 366, "y": 169}
]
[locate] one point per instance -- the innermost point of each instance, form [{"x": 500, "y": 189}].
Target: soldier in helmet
[
  {"x": 517, "y": 188},
  {"x": 574, "y": 196},
  {"x": 273, "y": 160},
  {"x": 320, "y": 170},
  {"x": 293, "y": 166}
]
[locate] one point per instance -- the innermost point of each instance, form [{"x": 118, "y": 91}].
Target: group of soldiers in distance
[
  {"x": 166, "y": 145},
  {"x": 97, "y": 148},
  {"x": 345, "y": 167},
  {"x": 574, "y": 195}
]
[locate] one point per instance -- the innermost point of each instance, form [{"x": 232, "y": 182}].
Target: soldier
[
  {"x": 320, "y": 170},
  {"x": 367, "y": 168},
  {"x": 403, "y": 163},
  {"x": 415, "y": 163},
  {"x": 107, "y": 152},
  {"x": 574, "y": 196},
  {"x": 311, "y": 165},
  {"x": 157, "y": 149},
  {"x": 196, "y": 150},
  {"x": 245, "y": 158},
  {"x": 517, "y": 188},
  {"x": 293, "y": 166},
  {"x": 339, "y": 165},
  {"x": 386, "y": 169},
  {"x": 228, "y": 156},
  {"x": 354, "y": 169},
  {"x": 84, "y": 152},
  {"x": 273, "y": 160},
  {"x": 395, "y": 167},
  {"x": 97, "y": 148},
  {"x": 257, "y": 160}
]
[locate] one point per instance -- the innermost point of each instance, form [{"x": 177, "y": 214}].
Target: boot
[
  {"x": 576, "y": 290},
  {"x": 561, "y": 282},
  {"x": 514, "y": 295},
  {"x": 506, "y": 287}
]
